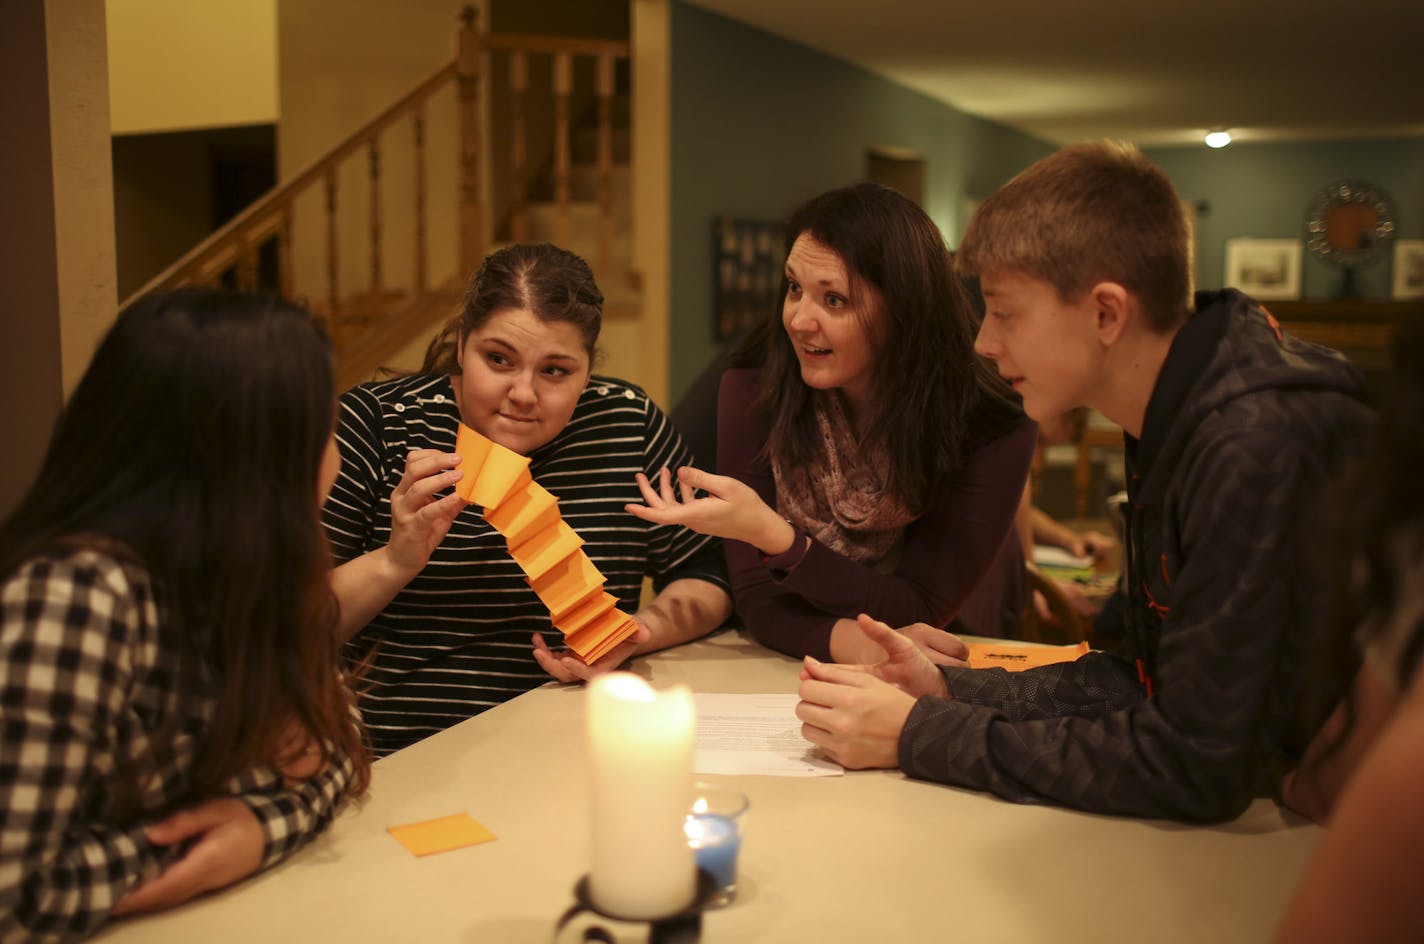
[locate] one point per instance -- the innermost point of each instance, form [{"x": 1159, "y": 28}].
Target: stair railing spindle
[
  {"x": 518, "y": 144},
  {"x": 421, "y": 264},
  {"x": 605, "y": 164},
  {"x": 374, "y": 162},
  {"x": 563, "y": 86},
  {"x": 333, "y": 261}
]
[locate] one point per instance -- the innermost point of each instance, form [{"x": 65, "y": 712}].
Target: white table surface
[{"x": 871, "y": 856}]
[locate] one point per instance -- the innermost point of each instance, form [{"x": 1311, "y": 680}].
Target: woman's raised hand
[
  {"x": 729, "y": 509},
  {"x": 419, "y": 520}
]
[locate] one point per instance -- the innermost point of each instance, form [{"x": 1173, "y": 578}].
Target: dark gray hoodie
[{"x": 1191, "y": 716}]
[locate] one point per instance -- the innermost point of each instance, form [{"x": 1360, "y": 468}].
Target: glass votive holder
[{"x": 716, "y": 820}]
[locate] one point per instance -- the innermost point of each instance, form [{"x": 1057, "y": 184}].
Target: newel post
[{"x": 468, "y": 59}]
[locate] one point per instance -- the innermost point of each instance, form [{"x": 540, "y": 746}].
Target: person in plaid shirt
[{"x": 172, "y": 714}]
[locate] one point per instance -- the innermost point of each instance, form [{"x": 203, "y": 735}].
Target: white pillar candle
[{"x": 640, "y": 760}]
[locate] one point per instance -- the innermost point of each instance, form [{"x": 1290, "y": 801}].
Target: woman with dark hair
[
  {"x": 1363, "y": 770},
  {"x": 872, "y": 463},
  {"x": 431, "y": 599},
  {"x": 173, "y": 716}
]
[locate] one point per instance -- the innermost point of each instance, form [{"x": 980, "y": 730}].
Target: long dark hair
[
  {"x": 192, "y": 448},
  {"x": 928, "y": 381},
  {"x": 553, "y": 283}
]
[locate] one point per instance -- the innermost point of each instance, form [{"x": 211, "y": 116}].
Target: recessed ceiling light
[{"x": 1218, "y": 138}]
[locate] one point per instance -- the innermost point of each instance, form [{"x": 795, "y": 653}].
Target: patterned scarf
[{"x": 845, "y": 504}]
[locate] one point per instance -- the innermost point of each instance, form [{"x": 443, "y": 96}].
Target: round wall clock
[{"x": 1350, "y": 222}]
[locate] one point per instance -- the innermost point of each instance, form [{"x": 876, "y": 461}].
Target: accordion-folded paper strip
[{"x": 548, "y": 551}]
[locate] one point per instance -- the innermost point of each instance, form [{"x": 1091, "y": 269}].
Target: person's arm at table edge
[
  {"x": 686, "y": 609},
  {"x": 293, "y": 812}
]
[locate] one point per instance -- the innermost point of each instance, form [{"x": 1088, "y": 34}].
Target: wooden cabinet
[{"x": 1361, "y": 329}]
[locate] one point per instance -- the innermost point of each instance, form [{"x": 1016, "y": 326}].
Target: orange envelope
[
  {"x": 522, "y": 511},
  {"x": 546, "y": 549},
  {"x": 472, "y": 448},
  {"x": 441, "y": 835},
  {"x": 1017, "y": 657},
  {"x": 505, "y": 471},
  {"x": 567, "y": 582}
]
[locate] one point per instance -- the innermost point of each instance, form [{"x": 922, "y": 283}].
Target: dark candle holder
[{"x": 583, "y": 922}]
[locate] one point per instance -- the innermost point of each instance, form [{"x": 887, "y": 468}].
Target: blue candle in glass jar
[{"x": 715, "y": 842}]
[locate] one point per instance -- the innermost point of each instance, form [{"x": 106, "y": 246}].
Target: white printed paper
[{"x": 755, "y": 734}]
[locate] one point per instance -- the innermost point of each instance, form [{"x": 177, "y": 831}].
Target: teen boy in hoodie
[{"x": 1232, "y": 428}]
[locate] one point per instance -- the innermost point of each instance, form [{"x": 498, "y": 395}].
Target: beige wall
[
  {"x": 83, "y": 178},
  {"x": 180, "y": 64},
  {"x": 338, "y": 67},
  {"x": 57, "y": 249},
  {"x": 643, "y": 343}
]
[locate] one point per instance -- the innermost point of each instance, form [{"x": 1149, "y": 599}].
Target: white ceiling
[{"x": 1151, "y": 71}]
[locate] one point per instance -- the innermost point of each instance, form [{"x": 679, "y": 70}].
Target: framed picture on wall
[
  {"x": 747, "y": 258},
  {"x": 1264, "y": 268},
  {"x": 1408, "y": 268}
]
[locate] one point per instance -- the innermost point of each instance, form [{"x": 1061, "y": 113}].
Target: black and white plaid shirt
[{"x": 84, "y": 684}]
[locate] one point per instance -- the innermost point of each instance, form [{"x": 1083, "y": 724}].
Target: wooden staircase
[{"x": 577, "y": 196}]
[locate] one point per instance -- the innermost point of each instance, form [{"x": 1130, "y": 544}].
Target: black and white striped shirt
[{"x": 456, "y": 640}]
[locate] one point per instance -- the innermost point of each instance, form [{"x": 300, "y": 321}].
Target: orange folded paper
[
  {"x": 582, "y": 612},
  {"x": 524, "y": 513},
  {"x": 472, "y": 449},
  {"x": 503, "y": 473},
  {"x": 548, "y": 551},
  {"x": 567, "y": 582},
  {"x": 540, "y": 553},
  {"x": 603, "y": 632},
  {"x": 1017, "y": 657}
]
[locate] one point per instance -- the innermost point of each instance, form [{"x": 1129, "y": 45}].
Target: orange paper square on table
[
  {"x": 472, "y": 449},
  {"x": 567, "y": 582},
  {"x": 1016, "y": 658},
  {"x": 441, "y": 835},
  {"x": 524, "y": 513},
  {"x": 545, "y": 549}
]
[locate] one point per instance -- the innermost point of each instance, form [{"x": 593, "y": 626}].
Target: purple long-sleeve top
[{"x": 960, "y": 558}]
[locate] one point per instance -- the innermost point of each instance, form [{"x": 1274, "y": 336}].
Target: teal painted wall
[
  {"x": 1265, "y": 191},
  {"x": 760, "y": 124}
]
